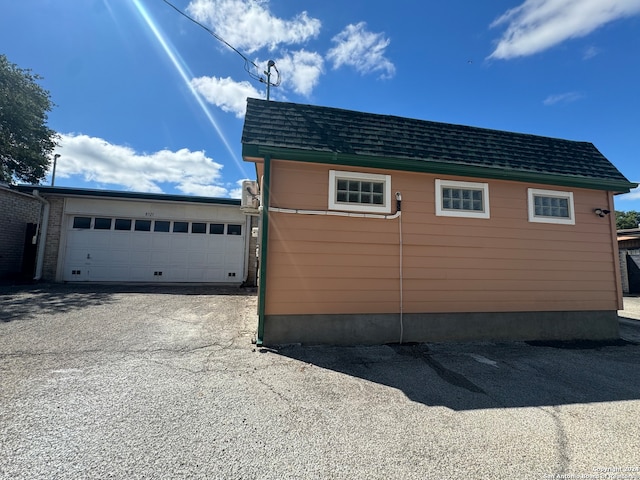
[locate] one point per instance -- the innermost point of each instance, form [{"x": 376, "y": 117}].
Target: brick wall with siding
[
  {"x": 50, "y": 264},
  {"x": 16, "y": 210},
  {"x": 253, "y": 260}
]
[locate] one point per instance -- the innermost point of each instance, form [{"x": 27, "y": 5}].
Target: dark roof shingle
[{"x": 292, "y": 126}]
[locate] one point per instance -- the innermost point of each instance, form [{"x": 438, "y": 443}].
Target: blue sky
[{"x": 149, "y": 101}]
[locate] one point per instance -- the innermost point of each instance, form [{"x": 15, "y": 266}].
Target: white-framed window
[
  {"x": 359, "y": 192},
  {"x": 551, "y": 206},
  {"x": 462, "y": 199}
]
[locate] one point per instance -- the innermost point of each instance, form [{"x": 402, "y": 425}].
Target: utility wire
[{"x": 247, "y": 62}]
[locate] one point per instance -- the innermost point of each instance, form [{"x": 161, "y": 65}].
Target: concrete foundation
[{"x": 363, "y": 329}]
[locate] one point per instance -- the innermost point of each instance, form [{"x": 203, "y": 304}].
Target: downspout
[
  {"x": 401, "y": 261},
  {"x": 264, "y": 236},
  {"x": 42, "y": 237}
]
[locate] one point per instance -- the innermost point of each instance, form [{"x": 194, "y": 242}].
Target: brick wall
[
  {"x": 253, "y": 260},
  {"x": 16, "y": 210},
  {"x": 49, "y": 267}
]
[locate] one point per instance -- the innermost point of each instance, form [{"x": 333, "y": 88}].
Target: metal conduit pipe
[{"x": 400, "y": 262}]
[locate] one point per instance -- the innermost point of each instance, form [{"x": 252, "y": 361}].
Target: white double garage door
[{"x": 108, "y": 240}]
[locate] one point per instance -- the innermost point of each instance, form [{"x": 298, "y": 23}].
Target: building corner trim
[{"x": 264, "y": 238}]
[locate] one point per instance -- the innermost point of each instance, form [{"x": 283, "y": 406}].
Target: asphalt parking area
[{"x": 163, "y": 382}]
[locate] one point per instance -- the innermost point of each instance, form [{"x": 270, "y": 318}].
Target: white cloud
[
  {"x": 226, "y": 93},
  {"x": 249, "y": 25},
  {"x": 200, "y": 190},
  {"x": 562, "y": 98},
  {"x": 363, "y": 50},
  {"x": 301, "y": 71},
  {"x": 590, "y": 53},
  {"x": 537, "y": 25},
  {"x": 97, "y": 160},
  {"x": 634, "y": 194}
]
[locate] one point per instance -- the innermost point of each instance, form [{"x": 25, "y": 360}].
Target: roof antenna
[{"x": 270, "y": 64}]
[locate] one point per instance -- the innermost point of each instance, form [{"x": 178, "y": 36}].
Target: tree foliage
[
  {"x": 626, "y": 220},
  {"x": 26, "y": 142}
]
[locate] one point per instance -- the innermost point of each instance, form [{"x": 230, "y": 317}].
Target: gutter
[
  {"x": 42, "y": 235},
  {"x": 264, "y": 236}
]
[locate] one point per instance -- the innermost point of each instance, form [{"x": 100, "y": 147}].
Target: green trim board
[{"x": 334, "y": 136}]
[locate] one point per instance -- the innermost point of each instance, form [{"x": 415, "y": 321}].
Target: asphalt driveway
[{"x": 163, "y": 382}]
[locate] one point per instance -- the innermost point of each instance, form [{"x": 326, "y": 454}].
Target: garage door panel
[
  {"x": 152, "y": 256},
  {"x": 234, "y": 247},
  {"x": 77, "y": 256},
  {"x": 214, "y": 275},
  {"x": 140, "y": 241},
  {"x": 160, "y": 241},
  {"x": 108, "y": 273},
  {"x": 198, "y": 242},
  {"x": 216, "y": 249},
  {"x": 196, "y": 259},
  {"x": 140, "y": 257},
  {"x": 179, "y": 241},
  {"x": 176, "y": 275},
  {"x": 118, "y": 257},
  {"x": 215, "y": 259},
  {"x": 79, "y": 240},
  {"x": 177, "y": 257},
  {"x": 120, "y": 240},
  {"x": 197, "y": 274},
  {"x": 100, "y": 240},
  {"x": 75, "y": 273},
  {"x": 159, "y": 258},
  {"x": 142, "y": 274}
]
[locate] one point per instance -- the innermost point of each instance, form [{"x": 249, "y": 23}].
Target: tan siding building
[{"x": 527, "y": 260}]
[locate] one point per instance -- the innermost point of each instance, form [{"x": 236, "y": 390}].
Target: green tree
[
  {"x": 26, "y": 142},
  {"x": 626, "y": 220}
]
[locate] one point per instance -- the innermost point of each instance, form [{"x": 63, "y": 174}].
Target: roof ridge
[{"x": 413, "y": 119}]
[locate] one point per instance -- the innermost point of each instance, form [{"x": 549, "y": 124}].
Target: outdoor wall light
[{"x": 601, "y": 212}]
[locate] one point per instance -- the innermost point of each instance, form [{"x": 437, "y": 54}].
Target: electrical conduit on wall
[{"x": 397, "y": 215}]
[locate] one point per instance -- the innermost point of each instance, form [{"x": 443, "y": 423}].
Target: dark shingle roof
[{"x": 279, "y": 127}]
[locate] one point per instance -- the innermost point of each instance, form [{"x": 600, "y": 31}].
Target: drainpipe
[
  {"x": 264, "y": 235},
  {"x": 42, "y": 237}
]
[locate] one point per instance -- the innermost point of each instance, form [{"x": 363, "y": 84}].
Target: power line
[{"x": 247, "y": 61}]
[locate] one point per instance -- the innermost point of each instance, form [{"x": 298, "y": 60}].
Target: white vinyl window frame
[
  {"x": 532, "y": 193},
  {"x": 334, "y": 204},
  {"x": 454, "y": 212}
]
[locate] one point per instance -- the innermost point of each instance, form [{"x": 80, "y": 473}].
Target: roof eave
[
  {"x": 162, "y": 197},
  {"x": 253, "y": 151}
]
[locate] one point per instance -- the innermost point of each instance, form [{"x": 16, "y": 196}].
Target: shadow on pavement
[
  {"x": 21, "y": 302},
  {"x": 25, "y": 302},
  {"x": 483, "y": 375}
]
